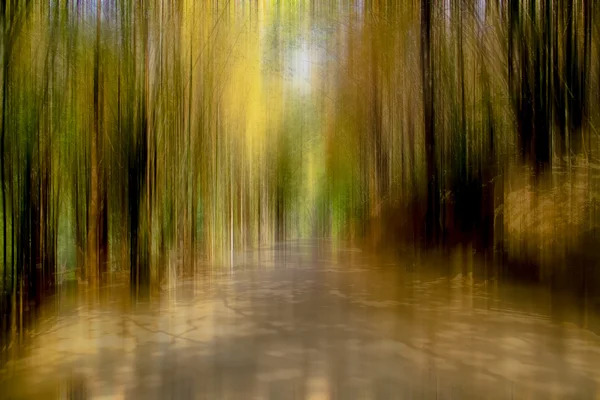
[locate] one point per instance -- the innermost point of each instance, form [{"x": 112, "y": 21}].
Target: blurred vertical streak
[
  {"x": 94, "y": 206},
  {"x": 433, "y": 196}
]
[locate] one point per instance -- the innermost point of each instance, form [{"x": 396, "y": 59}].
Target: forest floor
[{"x": 307, "y": 319}]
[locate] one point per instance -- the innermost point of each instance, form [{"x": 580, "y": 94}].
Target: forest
[{"x": 150, "y": 140}]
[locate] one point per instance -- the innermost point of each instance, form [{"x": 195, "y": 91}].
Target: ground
[{"x": 310, "y": 320}]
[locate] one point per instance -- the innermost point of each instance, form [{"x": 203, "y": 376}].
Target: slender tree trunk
[
  {"x": 3, "y": 181},
  {"x": 94, "y": 207},
  {"x": 433, "y": 198}
]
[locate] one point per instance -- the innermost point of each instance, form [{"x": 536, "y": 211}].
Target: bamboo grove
[{"x": 148, "y": 136}]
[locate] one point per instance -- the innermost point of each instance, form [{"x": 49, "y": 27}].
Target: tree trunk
[
  {"x": 94, "y": 207},
  {"x": 433, "y": 198}
]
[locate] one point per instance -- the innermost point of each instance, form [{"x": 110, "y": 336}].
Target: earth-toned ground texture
[{"x": 310, "y": 320}]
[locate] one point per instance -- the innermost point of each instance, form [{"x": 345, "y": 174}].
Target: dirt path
[{"x": 307, "y": 321}]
